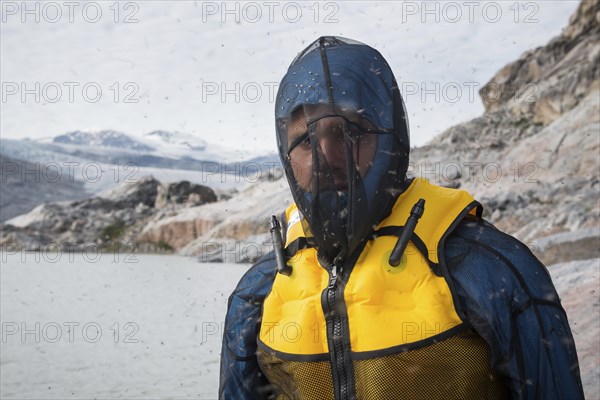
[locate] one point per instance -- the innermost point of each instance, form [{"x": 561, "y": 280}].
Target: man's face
[{"x": 330, "y": 134}]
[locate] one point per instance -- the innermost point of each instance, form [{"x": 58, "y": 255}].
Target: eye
[
  {"x": 305, "y": 142},
  {"x": 302, "y": 142},
  {"x": 355, "y": 134}
]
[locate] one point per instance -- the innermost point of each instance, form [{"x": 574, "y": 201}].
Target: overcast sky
[{"x": 212, "y": 70}]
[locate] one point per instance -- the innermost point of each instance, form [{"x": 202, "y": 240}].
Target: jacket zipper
[{"x": 335, "y": 336}]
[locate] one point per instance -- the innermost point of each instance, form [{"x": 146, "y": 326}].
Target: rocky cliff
[
  {"x": 532, "y": 157},
  {"x": 546, "y": 82}
]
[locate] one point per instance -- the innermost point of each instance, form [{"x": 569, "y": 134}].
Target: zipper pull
[{"x": 333, "y": 278}]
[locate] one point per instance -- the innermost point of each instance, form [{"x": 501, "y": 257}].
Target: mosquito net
[{"x": 343, "y": 139}]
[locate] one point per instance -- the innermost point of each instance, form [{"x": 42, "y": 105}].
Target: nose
[
  {"x": 332, "y": 146},
  {"x": 331, "y": 140}
]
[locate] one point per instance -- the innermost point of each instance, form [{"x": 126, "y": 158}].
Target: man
[{"x": 386, "y": 287}]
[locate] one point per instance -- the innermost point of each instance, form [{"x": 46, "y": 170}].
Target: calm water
[
  {"x": 111, "y": 326},
  {"x": 149, "y": 327}
]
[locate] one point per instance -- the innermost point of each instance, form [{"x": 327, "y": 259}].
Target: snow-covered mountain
[
  {"x": 176, "y": 139},
  {"x": 158, "y": 143},
  {"x": 156, "y": 149},
  {"x": 99, "y": 160},
  {"x": 104, "y": 138}
]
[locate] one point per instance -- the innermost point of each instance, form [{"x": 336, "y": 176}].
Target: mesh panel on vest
[
  {"x": 454, "y": 368},
  {"x": 297, "y": 379}
]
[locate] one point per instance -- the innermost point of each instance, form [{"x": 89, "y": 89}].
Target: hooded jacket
[
  {"x": 346, "y": 81},
  {"x": 497, "y": 288},
  {"x": 500, "y": 289}
]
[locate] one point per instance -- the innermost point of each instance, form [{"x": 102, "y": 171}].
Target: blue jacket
[{"x": 499, "y": 288}]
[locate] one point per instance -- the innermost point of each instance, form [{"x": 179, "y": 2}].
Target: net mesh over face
[{"x": 343, "y": 140}]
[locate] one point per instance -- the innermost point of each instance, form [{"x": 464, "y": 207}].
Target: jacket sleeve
[
  {"x": 240, "y": 376},
  {"x": 508, "y": 297}
]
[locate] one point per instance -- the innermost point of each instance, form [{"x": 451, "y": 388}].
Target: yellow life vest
[{"x": 400, "y": 329}]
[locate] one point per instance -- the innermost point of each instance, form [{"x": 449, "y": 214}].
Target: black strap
[
  {"x": 415, "y": 239},
  {"x": 304, "y": 243},
  {"x": 298, "y": 244}
]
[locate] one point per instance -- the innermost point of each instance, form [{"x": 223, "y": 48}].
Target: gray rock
[
  {"x": 129, "y": 195},
  {"x": 184, "y": 192},
  {"x": 551, "y": 80}
]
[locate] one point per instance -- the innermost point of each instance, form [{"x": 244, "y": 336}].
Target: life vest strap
[
  {"x": 394, "y": 230},
  {"x": 304, "y": 243},
  {"x": 298, "y": 244}
]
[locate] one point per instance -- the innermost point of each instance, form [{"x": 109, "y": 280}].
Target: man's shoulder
[
  {"x": 257, "y": 281},
  {"x": 476, "y": 233},
  {"x": 477, "y": 251}
]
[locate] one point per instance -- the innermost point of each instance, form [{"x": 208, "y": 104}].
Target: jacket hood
[{"x": 343, "y": 139}]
